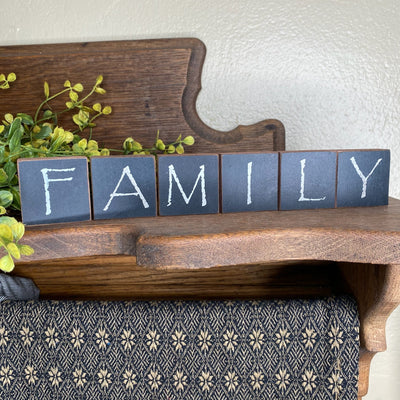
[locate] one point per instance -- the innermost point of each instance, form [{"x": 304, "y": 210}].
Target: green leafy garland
[{"x": 24, "y": 136}]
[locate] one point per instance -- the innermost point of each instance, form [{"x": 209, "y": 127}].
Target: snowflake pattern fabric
[{"x": 292, "y": 349}]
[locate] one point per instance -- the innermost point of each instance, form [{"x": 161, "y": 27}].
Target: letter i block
[
  {"x": 308, "y": 180},
  {"x": 123, "y": 187},
  {"x": 363, "y": 178},
  {"x": 54, "y": 190},
  {"x": 188, "y": 184},
  {"x": 249, "y": 182}
]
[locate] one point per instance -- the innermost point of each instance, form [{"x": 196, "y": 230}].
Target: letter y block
[{"x": 363, "y": 178}]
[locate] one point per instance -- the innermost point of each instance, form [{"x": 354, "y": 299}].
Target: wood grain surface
[
  {"x": 151, "y": 85},
  {"x": 362, "y": 234}
]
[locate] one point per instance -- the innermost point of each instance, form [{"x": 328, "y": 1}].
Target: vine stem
[{"x": 46, "y": 101}]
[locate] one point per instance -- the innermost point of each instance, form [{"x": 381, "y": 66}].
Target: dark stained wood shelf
[
  {"x": 363, "y": 234},
  {"x": 153, "y": 84}
]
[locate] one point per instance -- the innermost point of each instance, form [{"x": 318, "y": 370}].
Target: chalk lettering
[
  {"x": 249, "y": 172},
  {"x": 126, "y": 172},
  {"x": 47, "y": 181},
  {"x": 200, "y": 177},
  {"x": 362, "y": 176},
  {"x": 302, "y": 181}
]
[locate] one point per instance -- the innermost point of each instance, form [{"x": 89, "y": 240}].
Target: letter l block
[{"x": 307, "y": 180}]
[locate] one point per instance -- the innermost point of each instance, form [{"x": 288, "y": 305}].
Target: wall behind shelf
[{"x": 330, "y": 71}]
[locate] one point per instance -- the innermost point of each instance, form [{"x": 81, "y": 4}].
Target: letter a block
[
  {"x": 188, "y": 184},
  {"x": 123, "y": 187},
  {"x": 54, "y": 190},
  {"x": 249, "y": 182},
  {"x": 363, "y": 178},
  {"x": 308, "y": 180}
]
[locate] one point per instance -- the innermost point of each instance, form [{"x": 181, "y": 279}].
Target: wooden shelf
[{"x": 359, "y": 235}]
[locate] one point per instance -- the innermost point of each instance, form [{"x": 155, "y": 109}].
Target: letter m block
[
  {"x": 54, "y": 190},
  {"x": 188, "y": 184}
]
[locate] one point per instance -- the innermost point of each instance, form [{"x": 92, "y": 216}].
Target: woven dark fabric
[{"x": 293, "y": 349}]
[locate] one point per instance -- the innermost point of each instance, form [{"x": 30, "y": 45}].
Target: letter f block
[
  {"x": 363, "y": 178},
  {"x": 54, "y": 190}
]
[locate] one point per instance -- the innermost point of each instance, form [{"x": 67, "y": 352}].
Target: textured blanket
[{"x": 294, "y": 349}]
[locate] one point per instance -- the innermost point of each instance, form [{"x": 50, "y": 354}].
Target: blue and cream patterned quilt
[{"x": 292, "y": 349}]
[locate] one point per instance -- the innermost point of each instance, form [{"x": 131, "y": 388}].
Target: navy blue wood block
[
  {"x": 307, "y": 180},
  {"x": 249, "y": 182},
  {"x": 123, "y": 187},
  {"x": 363, "y": 178},
  {"x": 188, "y": 184},
  {"x": 54, "y": 190}
]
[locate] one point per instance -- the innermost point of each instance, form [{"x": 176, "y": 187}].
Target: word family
[{"x": 58, "y": 189}]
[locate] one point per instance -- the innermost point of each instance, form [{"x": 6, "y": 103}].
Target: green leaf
[
  {"x": 44, "y": 132},
  {"x": 15, "y": 135},
  {"x": 46, "y": 89},
  {"x": 107, "y": 110},
  {"x": 6, "y": 263},
  {"x": 188, "y": 140},
  {"x": 16, "y": 197},
  {"x": 92, "y": 145},
  {"x": 78, "y": 87},
  {"x": 25, "y": 250},
  {"x": 47, "y": 114},
  {"x": 76, "y": 139},
  {"x": 3, "y": 177},
  {"x": 9, "y": 118},
  {"x": 100, "y": 90},
  {"x": 26, "y": 119},
  {"x": 180, "y": 149},
  {"x": 13, "y": 249},
  {"x": 10, "y": 221},
  {"x": 76, "y": 119},
  {"x": 83, "y": 116},
  {"x": 77, "y": 149},
  {"x": 11, "y": 170},
  {"x": 6, "y": 198},
  {"x": 160, "y": 145},
  {"x": 11, "y": 77},
  {"x": 97, "y": 107},
  {"x": 15, "y": 125},
  {"x": 18, "y": 230},
  {"x": 73, "y": 96},
  {"x": 56, "y": 144},
  {"x": 6, "y": 232},
  {"x": 83, "y": 144}
]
